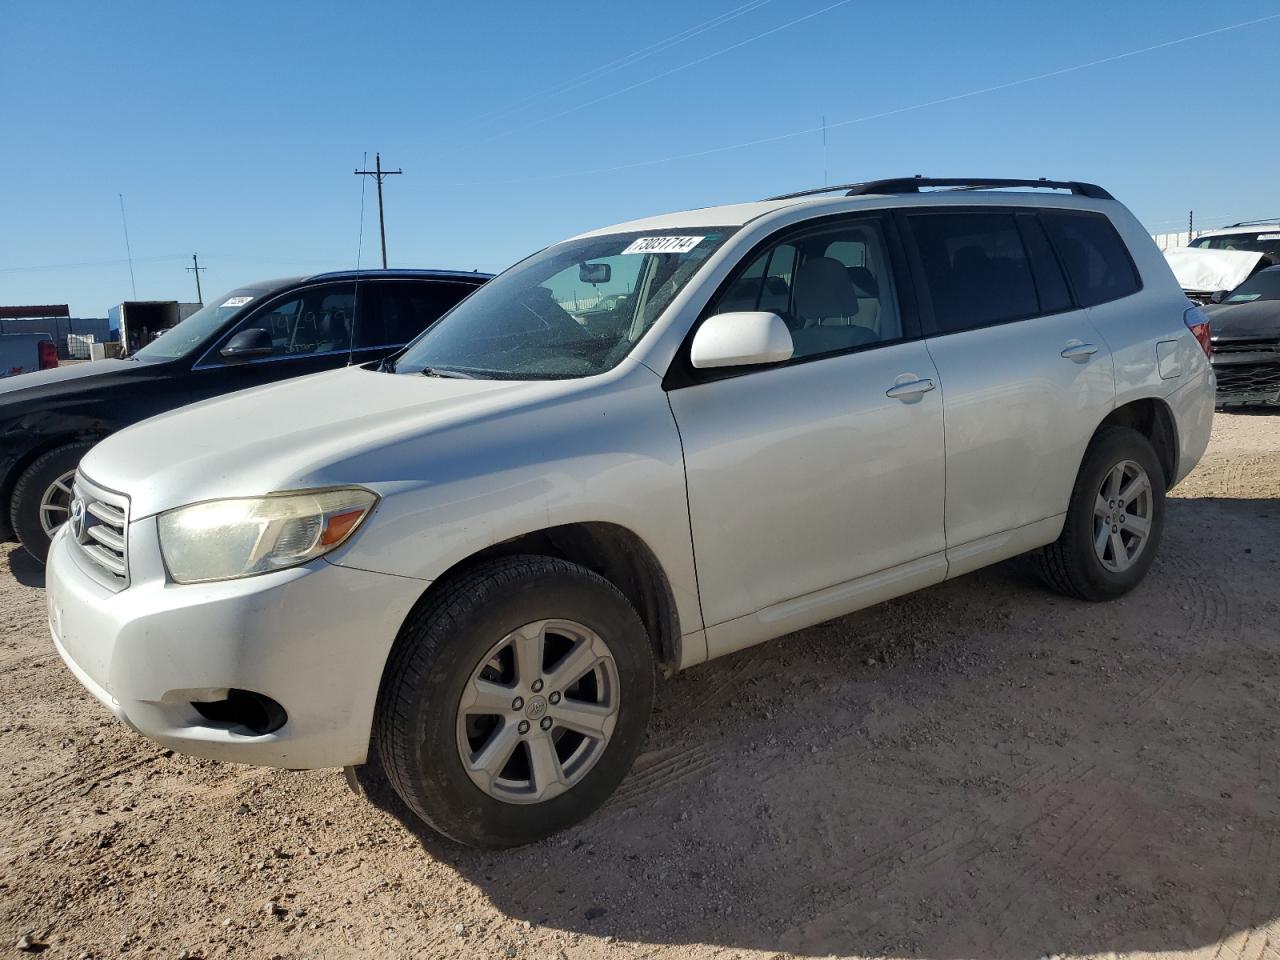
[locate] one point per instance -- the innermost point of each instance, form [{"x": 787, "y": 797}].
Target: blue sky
[{"x": 232, "y": 129}]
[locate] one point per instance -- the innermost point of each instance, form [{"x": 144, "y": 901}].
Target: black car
[
  {"x": 1245, "y": 341},
  {"x": 254, "y": 335}
]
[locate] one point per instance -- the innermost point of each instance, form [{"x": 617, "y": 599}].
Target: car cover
[{"x": 1202, "y": 270}]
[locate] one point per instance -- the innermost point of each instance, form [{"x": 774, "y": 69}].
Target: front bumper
[{"x": 313, "y": 638}]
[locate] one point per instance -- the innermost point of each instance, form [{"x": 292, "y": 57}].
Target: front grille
[
  {"x": 1248, "y": 381},
  {"x": 1262, "y": 346},
  {"x": 99, "y": 528}
]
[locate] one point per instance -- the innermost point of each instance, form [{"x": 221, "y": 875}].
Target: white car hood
[
  {"x": 1203, "y": 270},
  {"x": 319, "y": 430}
]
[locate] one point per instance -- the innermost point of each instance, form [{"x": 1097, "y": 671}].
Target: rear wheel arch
[{"x": 1152, "y": 418}]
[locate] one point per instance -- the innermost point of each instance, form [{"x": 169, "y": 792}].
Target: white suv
[{"x": 652, "y": 444}]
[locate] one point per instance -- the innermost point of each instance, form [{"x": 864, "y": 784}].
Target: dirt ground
[{"x": 983, "y": 769}]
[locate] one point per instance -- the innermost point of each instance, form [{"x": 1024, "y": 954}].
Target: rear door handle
[
  {"x": 1079, "y": 352},
  {"x": 909, "y": 390}
]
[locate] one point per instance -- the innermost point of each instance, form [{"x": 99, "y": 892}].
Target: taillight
[
  {"x": 48, "y": 354},
  {"x": 1198, "y": 324}
]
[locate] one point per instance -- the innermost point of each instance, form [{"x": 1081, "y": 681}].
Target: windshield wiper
[{"x": 447, "y": 374}]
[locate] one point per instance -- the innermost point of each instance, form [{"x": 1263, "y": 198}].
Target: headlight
[{"x": 224, "y": 539}]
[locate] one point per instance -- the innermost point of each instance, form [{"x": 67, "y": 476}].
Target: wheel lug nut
[
  {"x": 523, "y": 726},
  {"x": 1115, "y": 529},
  {"x": 517, "y": 703},
  {"x": 546, "y": 723},
  {"x": 537, "y": 686},
  {"x": 554, "y": 698}
]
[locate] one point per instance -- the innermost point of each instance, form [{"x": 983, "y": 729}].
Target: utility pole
[
  {"x": 196, "y": 268},
  {"x": 378, "y": 174}
]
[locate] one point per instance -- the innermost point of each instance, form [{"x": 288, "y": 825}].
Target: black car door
[
  {"x": 324, "y": 327},
  {"x": 308, "y": 329}
]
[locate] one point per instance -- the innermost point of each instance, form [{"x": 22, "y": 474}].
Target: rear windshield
[
  {"x": 573, "y": 310},
  {"x": 181, "y": 339},
  {"x": 1263, "y": 285}
]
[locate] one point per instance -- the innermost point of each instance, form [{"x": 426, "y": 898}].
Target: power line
[
  {"x": 760, "y": 141},
  {"x": 379, "y": 175},
  {"x": 630, "y": 59},
  {"x": 647, "y": 80}
]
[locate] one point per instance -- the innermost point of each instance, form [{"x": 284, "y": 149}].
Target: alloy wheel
[
  {"x": 55, "y": 503},
  {"x": 538, "y": 711},
  {"x": 1122, "y": 515}
]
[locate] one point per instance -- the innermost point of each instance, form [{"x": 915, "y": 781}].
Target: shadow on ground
[
  {"x": 26, "y": 569},
  {"x": 980, "y": 769}
]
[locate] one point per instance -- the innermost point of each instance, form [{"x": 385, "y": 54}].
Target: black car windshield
[
  {"x": 181, "y": 339},
  {"x": 1263, "y": 241},
  {"x": 1263, "y": 285},
  {"x": 573, "y": 310}
]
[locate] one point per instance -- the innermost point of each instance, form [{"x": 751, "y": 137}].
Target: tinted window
[
  {"x": 1263, "y": 285},
  {"x": 976, "y": 269},
  {"x": 1051, "y": 286},
  {"x": 316, "y": 320},
  {"x": 393, "y": 313},
  {"x": 1093, "y": 254},
  {"x": 832, "y": 286}
]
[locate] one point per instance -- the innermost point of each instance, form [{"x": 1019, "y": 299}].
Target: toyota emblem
[{"x": 77, "y": 518}]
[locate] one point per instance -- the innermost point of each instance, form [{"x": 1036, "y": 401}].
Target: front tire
[
  {"x": 42, "y": 497},
  {"x": 514, "y": 701},
  {"x": 1114, "y": 521}
]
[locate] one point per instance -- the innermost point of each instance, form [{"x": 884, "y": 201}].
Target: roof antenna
[{"x": 355, "y": 299}]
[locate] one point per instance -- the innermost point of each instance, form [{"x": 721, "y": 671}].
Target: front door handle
[
  {"x": 910, "y": 390},
  {"x": 1079, "y": 352}
]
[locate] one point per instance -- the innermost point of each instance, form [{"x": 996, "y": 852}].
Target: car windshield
[
  {"x": 181, "y": 339},
  {"x": 1265, "y": 241},
  {"x": 1263, "y": 285},
  {"x": 573, "y": 310}
]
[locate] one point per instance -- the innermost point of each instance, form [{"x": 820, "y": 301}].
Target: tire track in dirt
[
  {"x": 53, "y": 789},
  {"x": 963, "y": 836}
]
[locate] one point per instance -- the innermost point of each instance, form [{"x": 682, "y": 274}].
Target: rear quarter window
[{"x": 1096, "y": 260}]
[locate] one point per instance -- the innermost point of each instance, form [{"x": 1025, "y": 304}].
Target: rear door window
[
  {"x": 1051, "y": 285},
  {"x": 1095, "y": 258},
  {"x": 976, "y": 268},
  {"x": 397, "y": 311}
]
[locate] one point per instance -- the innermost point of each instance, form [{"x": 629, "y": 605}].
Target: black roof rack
[
  {"x": 913, "y": 185},
  {"x": 1253, "y": 223}
]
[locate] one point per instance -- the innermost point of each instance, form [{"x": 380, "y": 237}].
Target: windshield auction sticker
[
  {"x": 663, "y": 244},
  {"x": 237, "y": 301}
]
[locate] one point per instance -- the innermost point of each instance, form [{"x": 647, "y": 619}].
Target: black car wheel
[{"x": 41, "y": 500}]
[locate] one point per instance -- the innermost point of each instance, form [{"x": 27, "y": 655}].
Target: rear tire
[
  {"x": 455, "y": 700},
  {"x": 1114, "y": 521},
  {"x": 42, "y": 495}
]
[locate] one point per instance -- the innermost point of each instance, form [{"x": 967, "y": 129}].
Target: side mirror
[
  {"x": 741, "y": 340},
  {"x": 248, "y": 343},
  {"x": 1218, "y": 296},
  {"x": 594, "y": 272}
]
